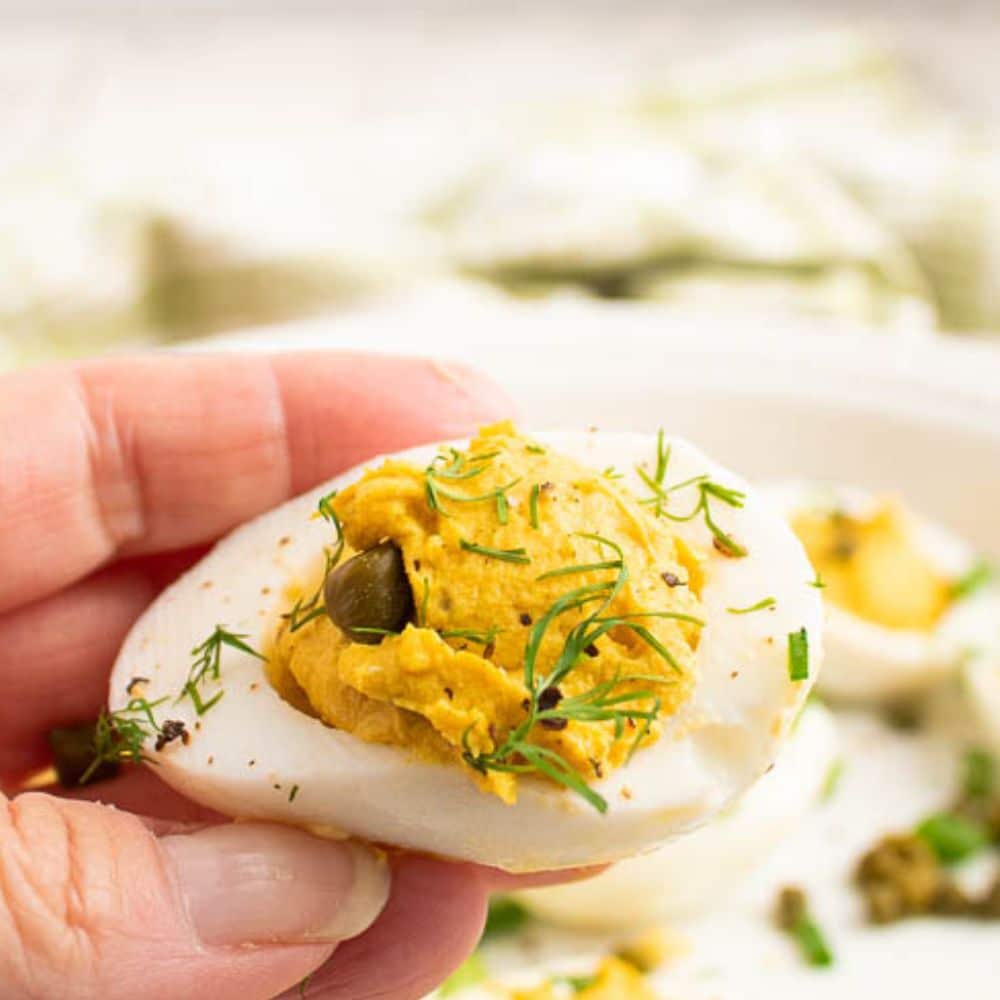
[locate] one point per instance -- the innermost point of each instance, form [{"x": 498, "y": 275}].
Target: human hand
[{"x": 114, "y": 477}]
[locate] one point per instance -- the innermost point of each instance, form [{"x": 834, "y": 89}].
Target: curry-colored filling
[
  {"x": 444, "y": 697},
  {"x": 874, "y": 567}
]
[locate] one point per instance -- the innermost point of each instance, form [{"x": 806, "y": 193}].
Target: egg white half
[
  {"x": 253, "y": 755},
  {"x": 696, "y": 872},
  {"x": 871, "y": 663}
]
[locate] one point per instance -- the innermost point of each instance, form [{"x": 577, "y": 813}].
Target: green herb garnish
[
  {"x": 293, "y": 793},
  {"x": 767, "y": 602},
  {"x": 481, "y": 637},
  {"x": 979, "y": 779},
  {"x": 519, "y": 555},
  {"x": 831, "y": 782},
  {"x": 798, "y": 655},
  {"x": 307, "y": 609},
  {"x": 608, "y": 701},
  {"x": 535, "y": 449},
  {"x": 817, "y": 582},
  {"x": 533, "y": 505},
  {"x": 974, "y": 580},
  {"x": 792, "y": 916},
  {"x": 462, "y": 468},
  {"x": 120, "y": 736},
  {"x": 953, "y": 838},
  {"x": 612, "y": 473},
  {"x": 207, "y": 658}
]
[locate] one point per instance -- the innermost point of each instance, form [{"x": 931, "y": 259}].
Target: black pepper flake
[
  {"x": 672, "y": 579},
  {"x": 449, "y": 693},
  {"x": 134, "y": 683},
  {"x": 416, "y": 565},
  {"x": 549, "y": 698},
  {"x": 596, "y": 765},
  {"x": 172, "y": 729},
  {"x": 524, "y": 618},
  {"x": 547, "y": 487},
  {"x": 286, "y": 540},
  {"x": 735, "y": 674},
  {"x": 591, "y": 650},
  {"x": 526, "y": 705},
  {"x": 489, "y": 651},
  {"x": 250, "y": 763}
]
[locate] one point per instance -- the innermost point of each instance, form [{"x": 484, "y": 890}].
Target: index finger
[{"x": 123, "y": 457}]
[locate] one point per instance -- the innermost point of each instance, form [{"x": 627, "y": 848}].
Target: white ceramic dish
[{"x": 918, "y": 417}]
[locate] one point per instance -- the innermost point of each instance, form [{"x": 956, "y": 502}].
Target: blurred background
[{"x": 179, "y": 170}]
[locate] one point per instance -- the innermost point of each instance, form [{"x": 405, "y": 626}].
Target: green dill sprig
[
  {"x": 609, "y": 701},
  {"x": 518, "y": 555},
  {"x": 307, "y": 609},
  {"x": 206, "y": 663},
  {"x": 120, "y": 736},
  {"x": 708, "y": 491},
  {"x": 462, "y": 467},
  {"x": 762, "y": 605},
  {"x": 817, "y": 582}
]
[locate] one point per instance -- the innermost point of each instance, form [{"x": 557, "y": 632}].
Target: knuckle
[{"x": 51, "y": 862}]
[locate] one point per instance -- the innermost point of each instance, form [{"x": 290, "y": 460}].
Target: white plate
[{"x": 919, "y": 417}]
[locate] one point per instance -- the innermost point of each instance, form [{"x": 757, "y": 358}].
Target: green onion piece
[
  {"x": 953, "y": 838},
  {"x": 767, "y": 602},
  {"x": 535, "y": 449},
  {"x": 505, "y": 555},
  {"x": 798, "y": 655}
]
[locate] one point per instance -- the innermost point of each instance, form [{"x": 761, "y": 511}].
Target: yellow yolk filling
[
  {"x": 441, "y": 697},
  {"x": 874, "y": 567}
]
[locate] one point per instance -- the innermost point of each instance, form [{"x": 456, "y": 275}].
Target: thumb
[{"x": 94, "y": 905}]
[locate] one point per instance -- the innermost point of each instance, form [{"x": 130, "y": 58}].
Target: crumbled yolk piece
[
  {"x": 873, "y": 566},
  {"x": 443, "y": 695}
]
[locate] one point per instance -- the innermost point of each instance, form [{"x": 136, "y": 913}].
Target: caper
[
  {"x": 370, "y": 591},
  {"x": 73, "y": 751}
]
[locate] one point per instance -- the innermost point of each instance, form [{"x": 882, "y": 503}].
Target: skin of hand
[{"x": 114, "y": 477}]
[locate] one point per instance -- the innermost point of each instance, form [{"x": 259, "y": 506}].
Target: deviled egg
[
  {"x": 695, "y": 873},
  {"x": 905, "y": 596},
  {"x": 533, "y": 653}
]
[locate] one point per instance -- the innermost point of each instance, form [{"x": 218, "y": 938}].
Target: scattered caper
[
  {"x": 370, "y": 592},
  {"x": 73, "y": 751}
]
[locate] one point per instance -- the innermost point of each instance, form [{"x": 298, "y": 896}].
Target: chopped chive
[
  {"x": 798, "y": 655},
  {"x": 533, "y": 505},
  {"x": 535, "y": 449},
  {"x": 812, "y": 943},
  {"x": 612, "y": 473},
  {"x": 767, "y": 602},
  {"x": 817, "y": 582},
  {"x": 974, "y": 580},
  {"x": 953, "y": 838},
  {"x": 518, "y": 555}
]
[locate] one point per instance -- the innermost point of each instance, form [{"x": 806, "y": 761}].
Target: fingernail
[{"x": 256, "y": 883}]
